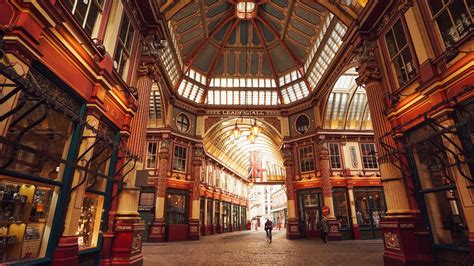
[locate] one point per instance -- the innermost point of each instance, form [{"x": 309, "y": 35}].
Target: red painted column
[
  {"x": 157, "y": 230},
  {"x": 198, "y": 156},
  {"x": 292, "y": 228},
  {"x": 333, "y": 233},
  {"x": 403, "y": 229}
]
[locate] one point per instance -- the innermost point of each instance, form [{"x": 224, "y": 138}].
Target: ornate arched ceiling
[
  {"x": 282, "y": 48},
  {"x": 236, "y": 154}
]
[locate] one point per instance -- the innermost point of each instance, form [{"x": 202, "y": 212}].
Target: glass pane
[
  {"x": 390, "y": 40},
  {"x": 462, "y": 20},
  {"x": 447, "y": 29},
  {"x": 341, "y": 209},
  {"x": 26, "y": 211},
  {"x": 89, "y": 221},
  {"x": 362, "y": 209},
  {"x": 445, "y": 218},
  {"x": 435, "y": 6},
  {"x": 399, "y": 34},
  {"x": 176, "y": 209}
]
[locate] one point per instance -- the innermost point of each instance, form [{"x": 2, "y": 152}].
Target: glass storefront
[
  {"x": 243, "y": 222},
  {"x": 236, "y": 217},
  {"x": 210, "y": 204},
  {"x": 217, "y": 214},
  {"x": 438, "y": 193},
  {"x": 370, "y": 209},
  {"x": 226, "y": 215},
  {"x": 176, "y": 206},
  {"x": 202, "y": 204},
  {"x": 310, "y": 204},
  {"x": 341, "y": 208}
]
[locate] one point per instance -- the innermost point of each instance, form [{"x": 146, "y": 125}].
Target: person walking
[
  {"x": 268, "y": 229},
  {"x": 324, "y": 229}
]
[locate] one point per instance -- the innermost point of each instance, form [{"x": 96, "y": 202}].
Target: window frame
[
  {"x": 301, "y": 160},
  {"x": 180, "y": 123},
  {"x": 185, "y": 158},
  {"x": 296, "y": 124},
  {"x": 122, "y": 72},
  {"x": 362, "y": 156},
  {"x": 341, "y": 161},
  {"x": 98, "y": 20},
  {"x": 147, "y": 166},
  {"x": 436, "y": 32},
  {"x": 409, "y": 45}
]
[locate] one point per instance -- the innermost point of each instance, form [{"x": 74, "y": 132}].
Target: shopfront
[
  {"x": 40, "y": 141},
  {"x": 342, "y": 212},
  {"x": 310, "y": 203},
  {"x": 177, "y": 214},
  {"x": 236, "y": 217},
  {"x": 217, "y": 217},
  {"x": 226, "y": 217},
  {"x": 209, "y": 211},
  {"x": 440, "y": 172},
  {"x": 370, "y": 209},
  {"x": 146, "y": 209}
]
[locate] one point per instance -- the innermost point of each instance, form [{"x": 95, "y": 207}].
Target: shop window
[
  {"x": 310, "y": 204},
  {"x": 147, "y": 199},
  {"x": 400, "y": 54},
  {"x": 370, "y": 207},
  {"x": 217, "y": 213},
  {"x": 179, "y": 159},
  {"x": 243, "y": 216},
  {"x": 89, "y": 221},
  {"x": 438, "y": 190},
  {"x": 182, "y": 123},
  {"x": 369, "y": 157},
  {"x": 341, "y": 208},
  {"x": 210, "y": 203},
  {"x": 235, "y": 216},
  {"x": 151, "y": 155},
  {"x": 226, "y": 216},
  {"x": 86, "y": 13},
  {"x": 454, "y": 19},
  {"x": 26, "y": 211},
  {"x": 176, "y": 207},
  {"x": 124, "y": 45},
  {"x": 100, "y": 161},
  {"x": 335, "y": 156},
  {"x": 202, "y": 209},
  {"x": 306, "y": 159},
  {"x": 302, "y": 124}
]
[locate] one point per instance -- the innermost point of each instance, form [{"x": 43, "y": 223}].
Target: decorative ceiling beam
[
  {"x": 334, "y": 8},
  {"x": 269, "y": 58},
  {"x": 287, "y": 19},
  {"x": 190, "y": 59},
  {"x": 215, "y": 60}
]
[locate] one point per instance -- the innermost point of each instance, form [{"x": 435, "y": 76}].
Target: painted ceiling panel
[
  {"x": 307, "y": 15},
  {"x": 280, "y": 57},
  {"x": 186, "y": 11},
  {"x": 202, "y": 59}
]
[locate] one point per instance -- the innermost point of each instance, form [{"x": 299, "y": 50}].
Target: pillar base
[
  {"x": 127, "y": 243},
  {"x": 66, "y": 253},
  {"x": 356, "y": 231},
  {"x": 406, "y": 241},
  {"x": 157, "y": 231},
  {"x": 292, "y": 229},
  {"x": 248, "y": 225},
  {"x": 333, "y": 233},
  {"x": 106, "y": 250},
  {"x": 193, "y": 233}
]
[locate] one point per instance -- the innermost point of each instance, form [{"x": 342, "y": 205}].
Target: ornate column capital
[{"x": 368, "y": 70}]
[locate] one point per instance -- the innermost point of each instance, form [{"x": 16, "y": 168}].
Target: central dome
[{"x": 252, "y": 52}]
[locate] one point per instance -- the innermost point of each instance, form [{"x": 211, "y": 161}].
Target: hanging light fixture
[
  {"x": 236, "y": 133},
  {"x": 251, "y": 138},
  {"x": 255, "y": 129}
]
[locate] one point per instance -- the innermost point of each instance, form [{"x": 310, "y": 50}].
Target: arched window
[{"x": 302, "y": 124}]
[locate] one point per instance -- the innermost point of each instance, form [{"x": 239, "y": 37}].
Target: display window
[
  {"x": 341, "y": 208},
  {"x": 217, "y": 213},
  {"x": 236, "y": 216},
  {"x": 370, "y": 207},
  {"x": 26, "y": 212},
  {"x": 202, "y": 209},
  {"x": 310, "y": 204},
  {"x": 176, "y": 207},
  {"x": 243, "y": 211},
  {"x": 226, "y": 216},
  {"x": 209, "y": 211},
  {"x": 89, "y": 221}
]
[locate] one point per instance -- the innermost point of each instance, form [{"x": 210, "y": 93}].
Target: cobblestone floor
[{"x": 244, "y": 248}]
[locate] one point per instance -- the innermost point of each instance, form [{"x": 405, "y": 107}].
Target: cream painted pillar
[
  {"x": 293, "y": 230},
  {"x": 395, "y": 190},
  {"x": 198, "y": 157},
  {"x": 326, "y": 180}
]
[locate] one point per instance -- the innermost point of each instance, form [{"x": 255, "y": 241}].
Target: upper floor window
[
  {"x": 400, "y": 53},
  {"x": 334, "y": 156},
  {"x": 179, "y": 159},
  {"x": 302, "y": 124},
  {"x": 369, "y": 157},
  {"x": 124, "y": 44},
  {"x": 151, "y": 155},
  {"x": 182, "y": 122},
  {"x": 454, "y": 18},
  {"x": 306, "y": 159},
  {"x": 85, "y": 12}
]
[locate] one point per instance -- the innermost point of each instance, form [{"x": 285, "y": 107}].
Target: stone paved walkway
[{"x": 250, "y": 248}]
